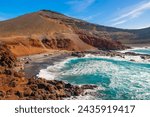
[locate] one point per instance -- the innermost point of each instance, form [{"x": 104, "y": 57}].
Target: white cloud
[
  {"x": 119, "y": 22},
  {"x": 91, "y": 17},
  {"x": 80, "y": 5},
  {"x": 135, "y": 12}
]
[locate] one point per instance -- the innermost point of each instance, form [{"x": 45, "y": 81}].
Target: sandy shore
[{"x": 34, "y": 63}]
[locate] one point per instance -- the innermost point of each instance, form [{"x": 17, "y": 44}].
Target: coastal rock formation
[
  {"x": 57, "y": 43},
  {"x": 102, "y": 40},
  {"x": 77, "y": 54},
  {"x": 7, "y": 59},
  {"x": 36, "y": 89},
  {"x": 14, "y": 86}
]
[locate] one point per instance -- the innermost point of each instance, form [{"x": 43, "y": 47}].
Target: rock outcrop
[
  {"x": 58, "y": 43},
  {"x": 14, "y": 86},
  {"x": 7, "y": 59},
  {"x": 101, "y": 40},
  {"x": 36, "y": 89}
]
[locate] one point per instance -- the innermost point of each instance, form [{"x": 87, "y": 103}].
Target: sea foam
[{"x": 119, "y": 77}]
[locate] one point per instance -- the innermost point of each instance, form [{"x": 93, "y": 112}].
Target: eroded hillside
[{"x": 46, "y": 30}]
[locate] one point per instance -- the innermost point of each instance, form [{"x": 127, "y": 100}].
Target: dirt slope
[{"x": 46, "y": 30}]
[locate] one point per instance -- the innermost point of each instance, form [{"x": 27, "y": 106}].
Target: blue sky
[{"x": 127, "y": 14}]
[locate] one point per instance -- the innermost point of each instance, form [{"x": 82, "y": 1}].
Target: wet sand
[{"x": 34, "y": 63}]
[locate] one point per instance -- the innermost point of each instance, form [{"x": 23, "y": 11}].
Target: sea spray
[{"x": 119, "y": 77}]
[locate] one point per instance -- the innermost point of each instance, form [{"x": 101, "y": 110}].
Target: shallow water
[{"x": 119, "y": 79}]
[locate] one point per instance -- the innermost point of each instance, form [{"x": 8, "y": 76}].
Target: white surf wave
[
  {"x": 125, "y": 78},
  {"x": 129, "y": 77},
  {"x": 53, "y": 71},
  {"x": 89, "y": 94},
  {"x": 131, "y": 58},
  {"x": 135, "y": 48}
]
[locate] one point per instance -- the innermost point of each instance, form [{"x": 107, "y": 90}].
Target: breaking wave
[{"x": 118, "y": 78}]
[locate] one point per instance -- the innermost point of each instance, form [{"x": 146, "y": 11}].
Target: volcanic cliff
[{"x": 46, "y": 30}]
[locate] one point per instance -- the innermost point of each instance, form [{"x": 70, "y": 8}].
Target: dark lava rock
[
  {"x": 130, "y": 53},
  {"x": 77, "y": 54},
  {"x": 19, "y": 94},
  {"x": 89, "y": 86},
  {"x": 2, "y": 94},
  {"x": 7, "y": 59},
  {"x": 27, "y": 92},
  {"x": 42, "y": 86},
  {"x": 68, "y": 85},
  {"x": 13, "y": 84}
]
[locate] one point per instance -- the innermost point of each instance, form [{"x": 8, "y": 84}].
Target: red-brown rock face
[
  {"x": 101, "y": 40},
  {"x": 57, "y": 43},
  {"x": 7, "y": 59}
]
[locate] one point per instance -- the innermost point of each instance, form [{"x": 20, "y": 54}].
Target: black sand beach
[{"x": 33, "y": 64}]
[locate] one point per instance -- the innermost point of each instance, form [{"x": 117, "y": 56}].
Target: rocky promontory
[{"x": 14, "y": 86}]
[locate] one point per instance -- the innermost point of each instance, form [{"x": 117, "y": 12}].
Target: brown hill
[
  {"x": 47, "y": 30},
  {"x": 138, "y": 36},
  {"x": 34, "y": 33}
]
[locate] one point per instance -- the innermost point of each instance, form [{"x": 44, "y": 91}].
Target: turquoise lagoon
[{"x": 118, "y": 79}]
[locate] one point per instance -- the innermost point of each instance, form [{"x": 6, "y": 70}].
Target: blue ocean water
[
  {"x": 120, "y": 80},
  {"x": 142, "y": 51}
]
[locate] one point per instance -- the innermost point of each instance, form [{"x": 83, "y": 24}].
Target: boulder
[
  {"x": 89, "y": 86},
  {"x": 2, "y": 94},
  {"x": 27, "y": 92},
  {"x": 19, "y": 94},
  {"x": 77, "y": 54}
]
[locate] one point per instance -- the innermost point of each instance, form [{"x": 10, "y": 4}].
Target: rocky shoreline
[
  {"x": 38, "y": 89},
  {"x": 15, "y": 86},
  {"x": 18, "y": 81},
  {"x": 33, "y": 66}
]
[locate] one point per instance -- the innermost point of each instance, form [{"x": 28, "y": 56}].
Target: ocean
[
  {"x": 118, "y": 79},
  {"x": 138, "y": 50},
  {"x": 142, "y": 51}
]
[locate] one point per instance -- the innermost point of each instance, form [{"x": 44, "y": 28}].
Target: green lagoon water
[{"x": 118, "y": 79}]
